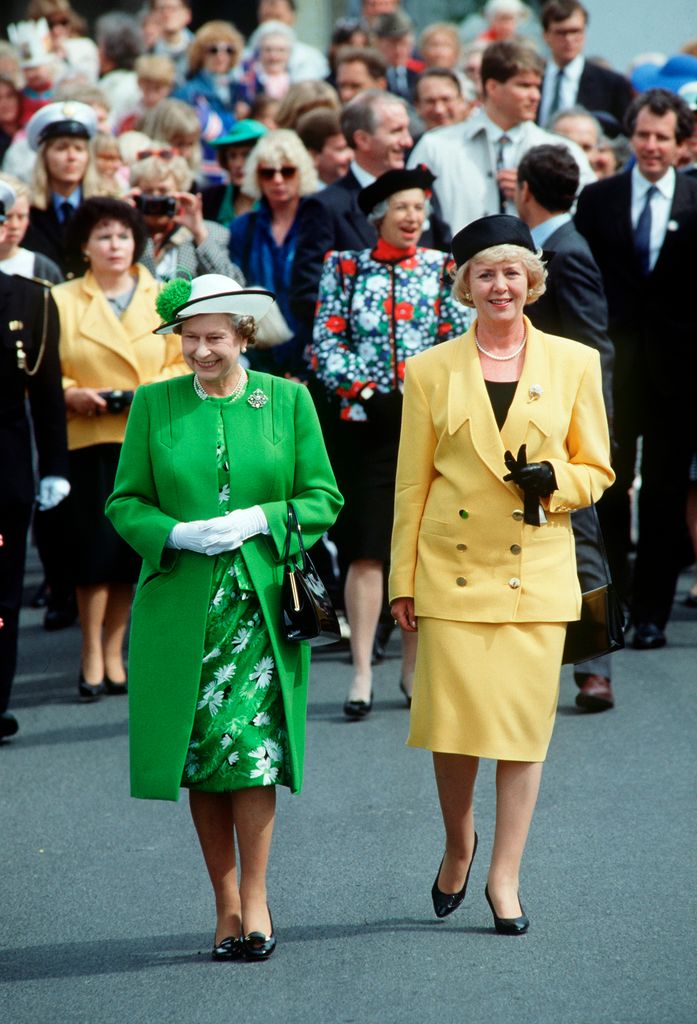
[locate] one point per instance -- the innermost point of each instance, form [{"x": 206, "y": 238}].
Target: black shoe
[
  {"x": 40, "y": 597},
  {"x": 648, "y": 636},
  {"x": 445, "y": 902},
  {"x": 90, "y": 691},
  {"x": 257, "y": 946},
  {"x": 228, "y": 949},
  {"x": 382, "y": 638},
  {"x": 508, "y": 925},
  {"x": 60, "y": 615},
  {"x": 8, "y": 725},
  {"x": 357, "y": 709},
  {"x": 116, "y": 689},
  {"x": 407, "y": 696},
  {"x": 690, "y": 600}
]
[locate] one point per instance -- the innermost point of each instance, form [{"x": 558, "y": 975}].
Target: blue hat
[
  {"x": 241, "y": 132},
  {"x": 677, "y": 70},
  {"x": 59, "y": 119}
]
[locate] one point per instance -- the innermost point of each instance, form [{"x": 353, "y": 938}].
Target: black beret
[
  {"x": 499, "y": 229},
  {"x": 394, "y": 181}
]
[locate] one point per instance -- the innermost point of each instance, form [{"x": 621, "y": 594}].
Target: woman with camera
[
  {"x": 178, "y": 236},
  {"x": 107, "y": 350}
]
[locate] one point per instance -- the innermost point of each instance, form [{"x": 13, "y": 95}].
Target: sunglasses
[
  {"x": 269, "y": 173},
  {"x": 163, "y": 154},
  {"x": 221, "y": 48}
]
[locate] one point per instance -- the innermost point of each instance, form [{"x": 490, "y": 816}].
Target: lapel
[
  {"x": 682, "y": 204},
  {"x": 99, "y": 323},
  {"x": 468, "y": 400}
]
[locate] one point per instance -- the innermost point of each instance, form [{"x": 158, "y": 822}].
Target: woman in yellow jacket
[
  {"x": 107, "y": 350},
  {"x": 483, "y": 554}
]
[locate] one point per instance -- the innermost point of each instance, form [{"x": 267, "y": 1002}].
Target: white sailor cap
[
  {"x": 8, "y": 197},
  {"x": 56, "y": 119}
]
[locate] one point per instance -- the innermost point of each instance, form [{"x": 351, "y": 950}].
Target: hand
[
  {"x": 187, "y": 536},
  {"x": 507, "y": 179},
  {"x": 190, "y": 214},
  {"x": 535, "y": 478},
  {"x": 402, "y": 609},
  {"x": 52, "y": 490},
  {"x": 85, "y": 401},
  {"x": 226, "y": 533}
]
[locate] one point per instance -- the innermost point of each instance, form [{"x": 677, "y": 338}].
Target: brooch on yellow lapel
[
  {"x": 257, "y": 399},
  {"x": 534, "y": 392}
]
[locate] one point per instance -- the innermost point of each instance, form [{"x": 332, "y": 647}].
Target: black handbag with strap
[
  {"x": 307, "y": 612},
  {"x": 600, "y": 630}
]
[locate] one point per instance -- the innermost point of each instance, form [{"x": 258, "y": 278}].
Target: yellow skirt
[{"x": 486, "y": 689}]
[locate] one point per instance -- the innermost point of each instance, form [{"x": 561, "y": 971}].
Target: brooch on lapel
[
  {"x": 672, "y": 225},
  {"x": 257, "y": 399},
  {"x": 534, "y": 392}
]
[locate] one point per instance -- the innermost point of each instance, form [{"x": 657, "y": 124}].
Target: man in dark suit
[
  {"x": 376, "y": 126},
  {"x": 570, "y": 80},
  {"x": 29, "y": 366},
  {"x": 641, "y": 226},
  {"x": 572, "y": 306}
]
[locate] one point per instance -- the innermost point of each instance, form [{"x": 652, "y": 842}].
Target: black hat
[
  {"x": 498, "y": 229},
  {"x": 394, "y": 181}
]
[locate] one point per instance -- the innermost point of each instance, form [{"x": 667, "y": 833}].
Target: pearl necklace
[
  {"x": 500, "y": 359},
  {"x": 234, "y": 394}
]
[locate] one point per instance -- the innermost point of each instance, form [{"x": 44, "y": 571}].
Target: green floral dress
[{"x": 239, "y": 734}]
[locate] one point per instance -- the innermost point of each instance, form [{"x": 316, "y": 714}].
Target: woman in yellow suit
[{"x": 483, "y": 553}]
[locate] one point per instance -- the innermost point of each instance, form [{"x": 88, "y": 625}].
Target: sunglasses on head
[
  {"x": 163, "y": 154},
  {"x": 269, "y": 173},
  {"x": 221, "y": 48}
]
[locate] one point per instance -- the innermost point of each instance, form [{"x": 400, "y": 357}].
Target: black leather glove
[{"x": 532, "y": 477}]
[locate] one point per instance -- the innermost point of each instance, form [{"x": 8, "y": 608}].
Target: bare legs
[
  {"x": 218, "y": 817},
  {"x": 103, "y": 612},
  {"x": 363, "y": 597},
  {"x": 517, "y": 786}
]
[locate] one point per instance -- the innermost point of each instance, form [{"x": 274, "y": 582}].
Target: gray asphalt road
[{"x": 106, "y": 916}]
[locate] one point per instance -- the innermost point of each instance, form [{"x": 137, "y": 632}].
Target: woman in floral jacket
[{"x": 376, "y": 308}]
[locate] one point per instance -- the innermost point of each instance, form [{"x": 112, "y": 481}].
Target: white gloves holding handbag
[
  {"x": 223, "y": 533},
  {"x": 52, "y": 490}
]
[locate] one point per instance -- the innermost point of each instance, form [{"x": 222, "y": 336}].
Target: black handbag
[
  {"x": 600, "y": 630},
  {"x": 307, "y": 612}
]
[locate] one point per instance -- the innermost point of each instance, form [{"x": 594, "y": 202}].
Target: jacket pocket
[{"x": 435, "y": 527}]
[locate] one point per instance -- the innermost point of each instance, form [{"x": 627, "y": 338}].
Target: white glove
[
  {"x": 188, "y": 536},
  {"x": 225, "y": 533},
  {"x": 52, "y": 490}
]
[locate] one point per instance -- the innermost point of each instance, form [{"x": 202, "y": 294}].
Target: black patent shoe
[
  {"x": 8, "y": 725},
  {"x": 357, "y": 709},
  {"x": 257, "y": 946},
  {"x": 445, "y": 902},
  {"x": 89, "y": 691},
  {"x": 406, "y": 694},
  {"x": 116, "y": 689},
  {"x": 228, "y": 949},
  {"x": 508, "y": 925}
]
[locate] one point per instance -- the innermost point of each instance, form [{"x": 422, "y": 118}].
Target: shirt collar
[
  {"x": 363, "y": 177},
  {"x": 75, "y": 198},
  {"x": 573, "y": 70},
  {"x": 494, "y": 131},
  {"x": 541, "y": 232},
  {"x": 665, "y": 185}
]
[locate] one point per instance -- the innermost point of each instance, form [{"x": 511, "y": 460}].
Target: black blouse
[{"x": 501, "y": 394}]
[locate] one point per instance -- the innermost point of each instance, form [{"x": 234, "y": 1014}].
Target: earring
[
  {"x": 529, "y": 292},
  {"x": 467, "y": 297}
]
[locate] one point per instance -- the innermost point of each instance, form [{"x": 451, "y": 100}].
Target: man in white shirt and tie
[
  {"x": 475, "y": 161},
  {"x": 569, "y": 79},
  {"x": 641, "y": 226}
]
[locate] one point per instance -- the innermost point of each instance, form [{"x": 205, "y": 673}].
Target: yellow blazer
[
  {"x": 99, "y": 350},
  {"x": 459, "y": 545}
]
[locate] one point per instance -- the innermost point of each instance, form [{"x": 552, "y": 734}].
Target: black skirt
[
  {"x": 364, "y": 458},
  {"x": 99, "y": 555}
]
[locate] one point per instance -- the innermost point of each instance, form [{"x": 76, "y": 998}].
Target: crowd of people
[{"x": 381, "y": 249}]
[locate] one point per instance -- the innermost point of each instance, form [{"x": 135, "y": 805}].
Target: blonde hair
[
  {"x": 214, "y": 32},
  {"x": 41, "y": 186},
  {"x": 103, "y": 142},
  {"x": 20, "y": 188},
  {"x": 155, "y": 67},
  {"x": 303, "y": 97},
  {"x": 153, "y": 168},
  {"x": 275, "y": 147},
  {"x": 437, "y": 28},
  {"x": 169, "y": 119},
  {"x": 534, "y": 268}
]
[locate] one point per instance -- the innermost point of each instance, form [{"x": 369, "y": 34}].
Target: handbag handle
[{"x": 293, "y": 527}]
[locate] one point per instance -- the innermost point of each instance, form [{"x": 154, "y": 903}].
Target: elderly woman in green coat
[{"x": 217, "y": 696}]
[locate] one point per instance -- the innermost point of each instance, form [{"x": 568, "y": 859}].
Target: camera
[
  {"x": 156, "y": 206},
  {"x": 117, "y": 401}
]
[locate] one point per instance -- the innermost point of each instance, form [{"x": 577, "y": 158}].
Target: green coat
[{"x": 168, "y": 474}]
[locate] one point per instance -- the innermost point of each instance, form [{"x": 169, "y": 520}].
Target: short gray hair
[{"x": 360, "y": 113}]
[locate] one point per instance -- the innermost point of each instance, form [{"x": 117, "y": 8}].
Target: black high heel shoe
[
  {"x": 257, "y": 946},
  {"x": 357, "y": 709},
  {"x": 228, "y": 949},
  {"x": 90, "y": 691},
  {"x": 407, "y": 696},
  {"x": 116, "y": 689},
  {"x": 508, "y": 925},
  {"x": 445, "y": 902}
]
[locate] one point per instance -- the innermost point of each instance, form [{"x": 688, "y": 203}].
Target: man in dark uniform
[{"x": 29, "y": 367}]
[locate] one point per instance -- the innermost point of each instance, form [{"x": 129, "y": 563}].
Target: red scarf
[{"x": 387, "y": 253}]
